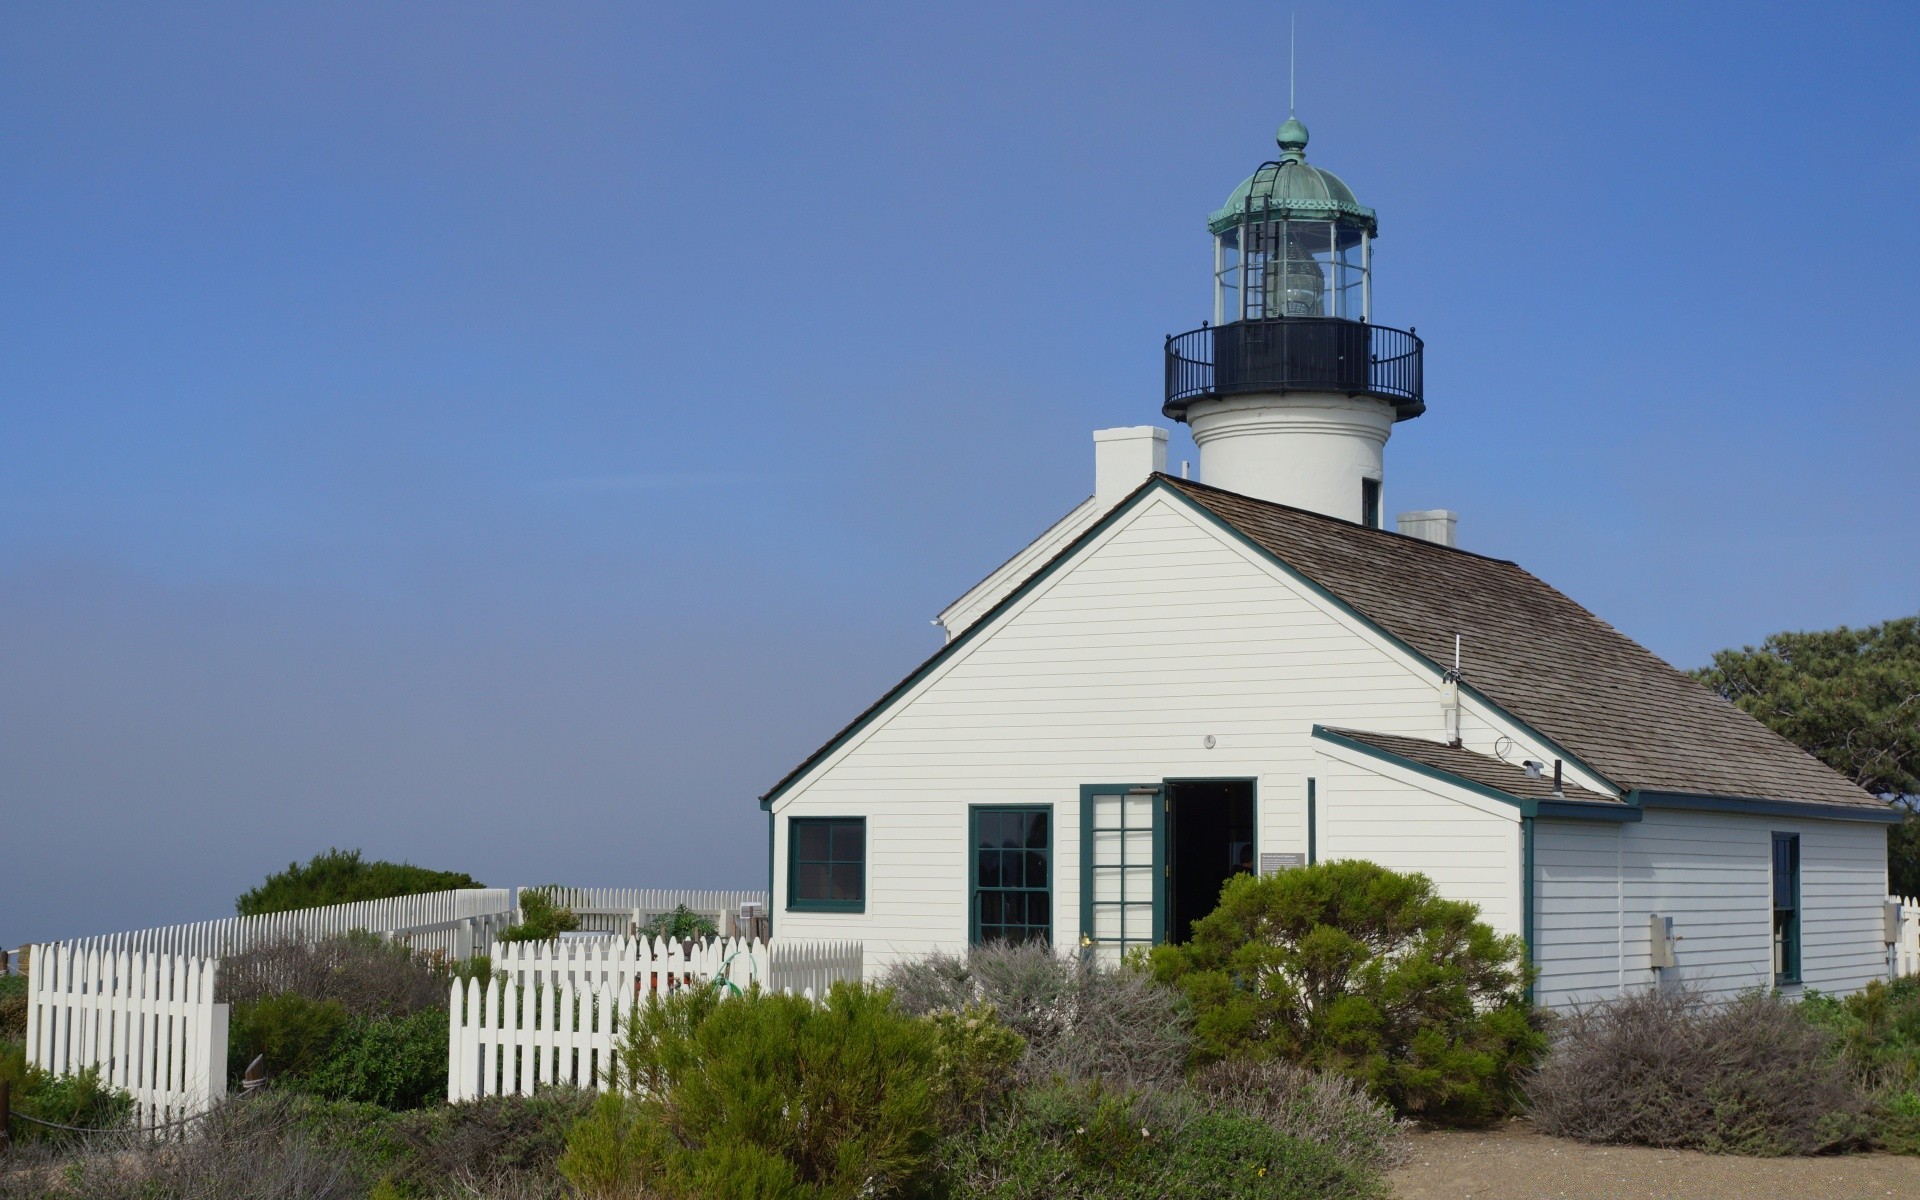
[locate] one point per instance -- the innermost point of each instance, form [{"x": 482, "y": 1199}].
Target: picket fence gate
[
  {"x": 553, "y": 1010},
  {"x": 147, "y": 1021},
  {"x": 1903, "y": 936}
]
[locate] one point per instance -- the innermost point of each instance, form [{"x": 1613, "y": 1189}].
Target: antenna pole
[{"x": 1290, "y": 76}]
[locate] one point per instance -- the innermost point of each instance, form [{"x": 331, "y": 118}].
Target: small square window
[{"x": 827, "y": 864}]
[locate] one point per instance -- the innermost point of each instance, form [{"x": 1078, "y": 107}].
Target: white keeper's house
[{"x": 1181, "y": 680}]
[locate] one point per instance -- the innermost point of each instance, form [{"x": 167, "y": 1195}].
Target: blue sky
[{"x": 509, "y": 438}]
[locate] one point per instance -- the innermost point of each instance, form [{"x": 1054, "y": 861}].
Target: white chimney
[
  {"x": 1123, "y": 458},
  {"x": 1438, "y": 525}
]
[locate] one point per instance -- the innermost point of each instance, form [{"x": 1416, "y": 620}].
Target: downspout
[
  {"x": 1526, "y": 898},
  {"x": 770, "y": 904}
]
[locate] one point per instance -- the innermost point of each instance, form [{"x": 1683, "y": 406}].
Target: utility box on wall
[{"x": 1660, "y": 942}]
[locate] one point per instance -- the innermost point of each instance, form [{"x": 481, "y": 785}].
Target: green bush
[
  {"x": 80, "y": 1099},
  {"x": 1081, "y": 1020},
  {"x": 681, "y": 925},
  {"x": 1667, "y": 1067},
  {"x": 1082, "y": 1142},
  {"x": 1326, "y": 1109},
  {"x": 540, "y": 918},
  {"x": 768, "y": 1096},
  {"x": 295, "y": 1033},
  {"x": 339, "y": 876},
  {"x": 13, "y": 1008},
  {"x": 397, "y": 1063},
  {"x": 1352, "y": 968},
  {"x": 1877, "y": 1031}
]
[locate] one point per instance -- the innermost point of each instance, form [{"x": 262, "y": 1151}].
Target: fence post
[{"x": 6, "y": 1114}]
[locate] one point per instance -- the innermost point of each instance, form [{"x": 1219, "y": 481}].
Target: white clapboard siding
[
  {"x": 552, "y": 1011},
  {"x": 1164, "y": 650},
  {"x": 455, "y": 923},
  {"x": 148, "y": 1022},
  {"x": 1903, "y": 956}
]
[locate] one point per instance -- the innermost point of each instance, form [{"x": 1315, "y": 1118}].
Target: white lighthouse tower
[{"x": 1291, "y": 391}]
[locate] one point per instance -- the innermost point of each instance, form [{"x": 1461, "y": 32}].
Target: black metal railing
[{"x": 1294, "y": 354}]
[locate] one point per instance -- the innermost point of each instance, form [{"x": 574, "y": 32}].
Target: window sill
[{"x": 827, "y": 906}]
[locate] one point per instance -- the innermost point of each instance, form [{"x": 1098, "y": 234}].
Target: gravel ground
[{"x": 1515, "y": 1163}]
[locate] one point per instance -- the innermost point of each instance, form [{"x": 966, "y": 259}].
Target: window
[
  {"x": 1370, "y": 503},
  {"x": 1012, "y": 875},
  {"x": 827, "y": 864},
  {"x": 1786, "y": 908},
  {"x": 1121, "y": 896}
]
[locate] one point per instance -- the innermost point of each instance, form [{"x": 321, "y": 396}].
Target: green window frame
[
  {"x": 1010, "y": 873},
  {"x": 1786, "y": 908},
  {"x": 826, "y": 864}
]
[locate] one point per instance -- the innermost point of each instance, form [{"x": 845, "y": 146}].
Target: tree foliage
[
  {"x": 1352, "y": 968},
  {"x": 1849, "y": 697},
  {"x": 340, "y": 876}
]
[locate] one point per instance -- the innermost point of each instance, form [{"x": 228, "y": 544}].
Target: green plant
[
  {"x": 1080, "y": 1020},
  {"x": 13, "y": 1008},
  {"x": 605, "y": 1151},
  {"x": 1668, "y": 1067},
  {"x": 774, "y": 1096},
  {"x": 340, "y": 876},
  {"x": 294, "y": 1032},
  {"x": 541, "y": 917},
  {"x": 1877, "y": 1031},
  {"x": 1352, "y": 968},
  {"x": 397, "y": 1063},
  {"x": 1085, "y": 1142},
  {"x": 975, "y": 1058},
  {"x": 79, "y": 1099},
  {"x": 1317, "y": 1106},
  {"x": 681, "y": 925}
]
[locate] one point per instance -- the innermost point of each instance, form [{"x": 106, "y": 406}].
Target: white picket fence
[
  {"x": 1903, "y": 944},
  {"x": 618, "y": 910},
  {"x": 552, "y": 1012},
  {"x": 455, "y": 923},
  {"x": 147, "y": 1021}
]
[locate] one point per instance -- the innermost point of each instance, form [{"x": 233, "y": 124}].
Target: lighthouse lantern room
[{"x": 1291, "y": 390}]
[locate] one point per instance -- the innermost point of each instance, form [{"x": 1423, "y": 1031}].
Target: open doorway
[{"x": 1209, "y": 840}]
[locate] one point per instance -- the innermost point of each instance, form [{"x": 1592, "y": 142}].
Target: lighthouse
[{"x": 1291, "y": 390}]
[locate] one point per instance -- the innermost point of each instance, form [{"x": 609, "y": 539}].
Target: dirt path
[{"x": 1515, "y": 1163}]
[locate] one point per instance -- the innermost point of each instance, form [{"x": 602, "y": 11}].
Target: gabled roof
[{"x": 1530, "y": 651}]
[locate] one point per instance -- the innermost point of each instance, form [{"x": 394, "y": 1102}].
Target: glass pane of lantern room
[
  {"x": 1350, "y": 273},
  {"x": 1226, "y": 277},
  {"x": 1298, "y": 283}
]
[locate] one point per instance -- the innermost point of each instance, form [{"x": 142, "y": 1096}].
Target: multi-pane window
[
  {"x": 828, "y": 863},
  {"x": 1013, "y": 875},
  {"x": 1122, "y": 900},
  {"x": 1786, "y": 908},
  {"x": 1370, "y": 503}
]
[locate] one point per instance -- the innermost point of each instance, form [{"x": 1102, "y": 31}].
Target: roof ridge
[{"x": 1196, "y": 485}]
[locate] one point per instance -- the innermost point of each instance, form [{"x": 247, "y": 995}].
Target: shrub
[
  {"x": 1668, "y": 1068},
  {"x": 541, "y": 919},
  {"x": 13, "y": 1008},
  {"x": 1084, "y": 1142},
  {"x": 1080, "y": 1020},
  {"x": 764, "y": 1095},
  {"x": 1326, "y": 1109},
  {"x": 294, "y": 1032},
  {"x": 681, "y": 925},
  {"x": 1352, "y": 968},
  {"x": 79, "y": 1099},
  {"x": 340, "y": 876},
  {"x": 397, "y": 1063},
  {"x": 368, "y": 975},
  {"x": 1878, "y": 1032}
]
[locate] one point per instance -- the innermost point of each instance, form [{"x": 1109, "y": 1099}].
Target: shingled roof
[
  {"x": 1607, "y": 700},
  {"x": 1484, "y": 769}
]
